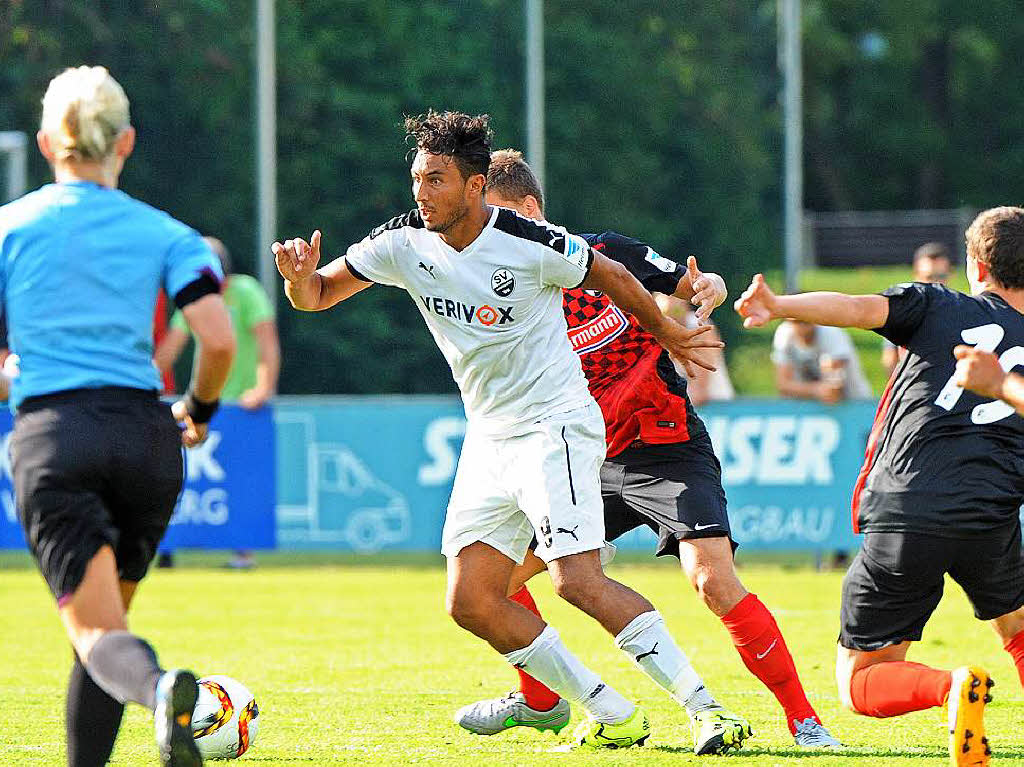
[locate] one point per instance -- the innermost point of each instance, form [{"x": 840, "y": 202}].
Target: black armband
[
  {"x": 204, "y": 285},
  {"x": 199, "y": 411}
]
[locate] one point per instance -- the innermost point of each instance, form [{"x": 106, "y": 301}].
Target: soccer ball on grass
[{"x": 226, "y": 718}]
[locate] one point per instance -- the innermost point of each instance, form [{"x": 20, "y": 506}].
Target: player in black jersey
[{"x": 942, "y": 482}]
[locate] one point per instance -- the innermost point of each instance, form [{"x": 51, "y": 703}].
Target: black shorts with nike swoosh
[{"x": 675, "y": 489}]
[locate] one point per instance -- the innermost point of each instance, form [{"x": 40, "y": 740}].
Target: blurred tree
[{"x": 662, "y": 122}]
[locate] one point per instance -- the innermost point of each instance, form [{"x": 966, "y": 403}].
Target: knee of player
[
  {"x": 466, "y": 608},
  {"x": 575, "y": 589}
]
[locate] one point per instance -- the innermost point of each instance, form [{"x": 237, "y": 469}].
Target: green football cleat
[
  {"x": 590, "y": 734},
  {"x": 489, "y": 717},
  {"x": 717, "y": 730}
]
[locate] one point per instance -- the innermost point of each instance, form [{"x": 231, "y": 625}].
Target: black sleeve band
[
  {"x": 355, "y": 272},
  {"x": 203, "y": 286},
  {"x": 199, "y": 411}
]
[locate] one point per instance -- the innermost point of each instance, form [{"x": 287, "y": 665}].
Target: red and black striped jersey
[{"x": 630, "y": 375}]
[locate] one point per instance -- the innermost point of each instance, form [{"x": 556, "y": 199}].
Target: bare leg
[{"x": 581, "y": 582}]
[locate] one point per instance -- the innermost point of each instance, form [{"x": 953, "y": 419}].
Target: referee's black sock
[
  {"x": 92, "y": 719},
  {"x": 125, "y": 666}
]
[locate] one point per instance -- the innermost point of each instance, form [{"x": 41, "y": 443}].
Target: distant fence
[
  {"x": 367, "y": 474},
  {"x": 871, "y": 238}
]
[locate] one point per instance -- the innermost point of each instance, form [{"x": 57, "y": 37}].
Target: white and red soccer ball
[{"x": 226, "y": 718}]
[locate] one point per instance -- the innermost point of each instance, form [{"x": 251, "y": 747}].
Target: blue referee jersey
[{"x": 80, "y": 269}]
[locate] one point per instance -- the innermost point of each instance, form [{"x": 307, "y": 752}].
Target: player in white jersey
[{"x": 489, "y": 284}]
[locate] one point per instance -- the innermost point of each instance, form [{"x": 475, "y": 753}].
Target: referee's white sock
[
  {"x": 647, "y": 641},
  {"x": 547, "y": 659}
]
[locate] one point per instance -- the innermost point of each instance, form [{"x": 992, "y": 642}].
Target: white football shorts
[{"x": 545, "y": 482}]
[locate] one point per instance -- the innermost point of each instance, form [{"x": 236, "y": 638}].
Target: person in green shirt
[
  {"x": 253, "y": 377},
  {"x": 252, "y": 380}
]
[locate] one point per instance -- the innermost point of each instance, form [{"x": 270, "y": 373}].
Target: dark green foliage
[{"x": 662, "y": 123}]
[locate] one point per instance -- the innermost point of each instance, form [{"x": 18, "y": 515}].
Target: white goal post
[{"x": 14, "y": 151}]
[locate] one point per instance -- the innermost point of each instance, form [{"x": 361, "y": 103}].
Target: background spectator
[
  {"x": 253, "y": 377},
  {"x": 932, "y": 263},
  {"x": 817, "y": 362}
]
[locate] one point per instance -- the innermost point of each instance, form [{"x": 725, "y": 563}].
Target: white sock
[
  {"x": 548, "y": 660},
  {"x": 648, "y": 642}
]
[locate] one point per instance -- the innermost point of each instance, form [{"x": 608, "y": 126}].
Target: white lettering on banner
[
  {"x": 775, "y": 450},
  {"x": 209, "y": 507},
  {"x": 443, "y": 454},
  {"x": 201, "y": 462},
  {"x": 10, "y": 510},
  {"x": 773, "y": 524}
]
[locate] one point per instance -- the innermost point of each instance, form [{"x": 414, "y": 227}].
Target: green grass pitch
[{"x": 358, "y": 664}]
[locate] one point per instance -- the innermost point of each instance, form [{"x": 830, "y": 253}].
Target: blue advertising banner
[
  {"x": 229, "y": 496},
  {"x": 366, "y": 474}
]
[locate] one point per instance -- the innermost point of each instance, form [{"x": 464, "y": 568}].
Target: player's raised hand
[
  {"x": 979, "y": 371},
  {"x": 296, "y": 259},
  {"x": 709, "y": 290},
  {"x": 686, "y": 344},
  {"x": 757, "y": 304}
]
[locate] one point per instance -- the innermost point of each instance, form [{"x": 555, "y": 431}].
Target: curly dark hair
[
  {"x": 996, "y": 238},
  {"x": 467, "y": 140}
]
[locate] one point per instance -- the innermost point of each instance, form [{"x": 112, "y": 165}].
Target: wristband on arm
[{"x": 199, "y": 411}]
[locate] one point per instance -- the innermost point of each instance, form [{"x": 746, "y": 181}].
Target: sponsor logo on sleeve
[
  {"x": 576, "y": 251},
  {"x": 664, "y": 264}
]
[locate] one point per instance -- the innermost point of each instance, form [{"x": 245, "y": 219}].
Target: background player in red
[
  {"x": 661, "y": 471},
  {"x": 941, "y": 486}
]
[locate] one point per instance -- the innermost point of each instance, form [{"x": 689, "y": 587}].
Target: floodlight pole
[
  {"x": 792, "y": 108},
  {"x": 266, "y": 146},
  {"x": 535, "y": 87},
  {"x": 16, "y": 144}
]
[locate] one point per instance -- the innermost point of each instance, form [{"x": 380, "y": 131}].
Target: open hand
[
  {"x": 757, "y": 304},
  {"x": 297, "y": 259},
  {"x": 687, "y": 344}
]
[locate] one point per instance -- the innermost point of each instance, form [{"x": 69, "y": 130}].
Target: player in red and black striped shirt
[{"x": 660, "y": 471}]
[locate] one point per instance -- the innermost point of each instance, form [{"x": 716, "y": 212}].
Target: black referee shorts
[
  {"x": 895, "y": 582},
  {"x": 94, "y": 467},
  {"x": 676, "y": 490}
]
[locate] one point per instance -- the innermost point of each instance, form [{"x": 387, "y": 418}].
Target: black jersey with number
[{"x": 943, "y": 460}]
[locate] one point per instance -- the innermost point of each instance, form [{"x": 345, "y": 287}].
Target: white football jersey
[{"x": 494, "y": 309}]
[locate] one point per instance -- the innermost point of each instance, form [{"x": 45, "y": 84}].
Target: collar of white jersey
[{"x": 478, "y": 241}]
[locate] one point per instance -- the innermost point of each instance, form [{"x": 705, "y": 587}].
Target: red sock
[
  {"x": 898, "y": 687},
  {"x": 537, "y": 695},
  {"x": 1015, "y": 646},
  {"x": 763, "y": 650}
]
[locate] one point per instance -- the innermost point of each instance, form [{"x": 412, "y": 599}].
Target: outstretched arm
[
  {"x": 759, "y": 305},
  {"x": 308, "y": 288},
  {"x": 631, "y": 296},
  {"x": 981, "y": 372}
]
